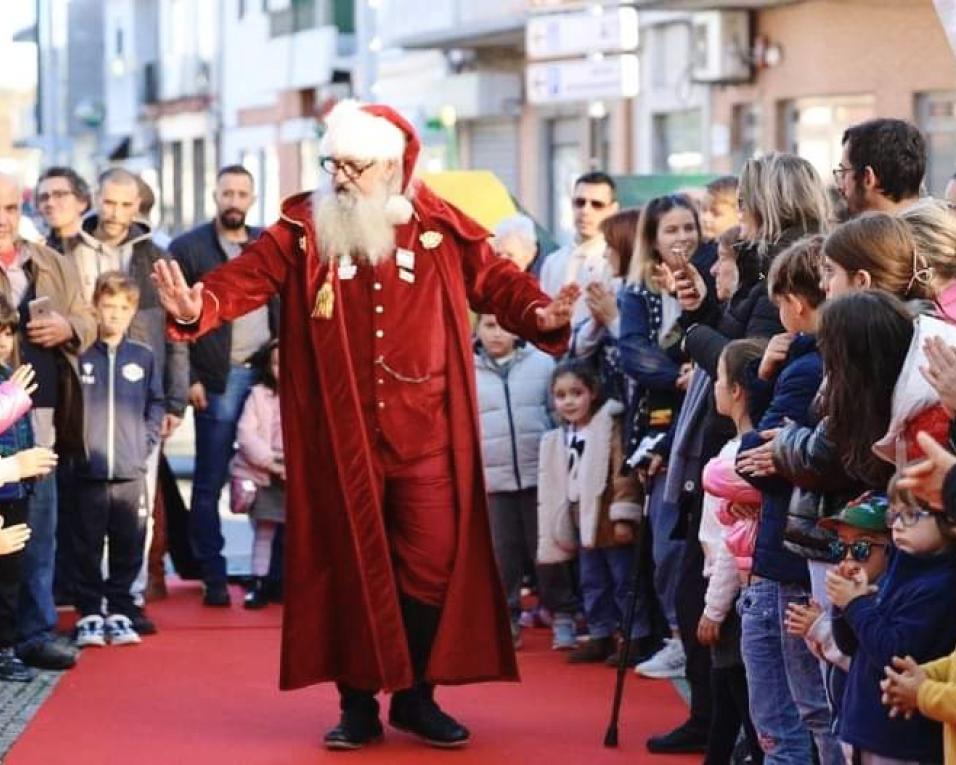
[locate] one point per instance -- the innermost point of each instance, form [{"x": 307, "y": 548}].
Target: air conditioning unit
[{"x": 721, "y": 46}]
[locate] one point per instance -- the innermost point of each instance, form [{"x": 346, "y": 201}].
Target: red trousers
[{"x": 420, "y": 521}]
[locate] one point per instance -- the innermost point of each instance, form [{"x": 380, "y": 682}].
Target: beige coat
[
  {"x": 55, "y": 277},
  {"x": 606, "y": 494}
]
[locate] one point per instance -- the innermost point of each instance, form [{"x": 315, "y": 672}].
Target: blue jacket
[
  {"x": 16, "y": 438},
  {"x": 124, "y": 405},
  {"x": 912, "y": 613},
  {"x": 789, "y": 396}
]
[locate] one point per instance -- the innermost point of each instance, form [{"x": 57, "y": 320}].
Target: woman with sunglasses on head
[{"x": 909, "y": 613}]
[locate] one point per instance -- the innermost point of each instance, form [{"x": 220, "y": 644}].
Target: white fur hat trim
[{"x": 353, "y": 133}]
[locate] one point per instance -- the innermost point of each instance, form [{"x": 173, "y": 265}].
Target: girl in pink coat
[{"x": 258, "y": 470}]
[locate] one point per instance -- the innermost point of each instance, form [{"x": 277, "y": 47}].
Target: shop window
[
  {"x": 936, "y": 115},
  {"x": 813, "y": 127},
  {"x": 678, "y": 142}
]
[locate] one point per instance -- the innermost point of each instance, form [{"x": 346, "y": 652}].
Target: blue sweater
[
  {"x": 913, "y": 613},
  {"x": 789, "y": 396}
]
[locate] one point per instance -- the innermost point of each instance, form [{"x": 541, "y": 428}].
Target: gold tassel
[{"x": 325, "y": 298}]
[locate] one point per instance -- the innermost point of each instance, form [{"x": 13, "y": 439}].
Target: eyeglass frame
[
  {"x": 57, "y": 195},
  {"x": 839, "y": 171},
  {"x": 860, "y": 550},
  {"x": 916, "y": 514},
  {"x": 353, "y": 172}
]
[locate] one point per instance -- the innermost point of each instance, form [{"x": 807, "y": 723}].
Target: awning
[{"x": 477, "y": 193}]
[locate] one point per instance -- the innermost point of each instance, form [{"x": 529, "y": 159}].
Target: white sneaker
[
  {"x": 668, "y": 662},
  {"x": 119, "y": 630},
  {"x": 89, "y": 632}
]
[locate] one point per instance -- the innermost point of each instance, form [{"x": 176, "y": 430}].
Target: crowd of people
[
  {"x": 749, "y": 441},
  {"x": 750, "y": 436},
  {"x": 82, "y": 331}
]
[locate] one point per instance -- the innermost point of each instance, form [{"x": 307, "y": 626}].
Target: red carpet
[{"x": 204, "y": 691}]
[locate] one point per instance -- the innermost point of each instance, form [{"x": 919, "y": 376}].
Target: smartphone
[{"x": 40, "y": 308}]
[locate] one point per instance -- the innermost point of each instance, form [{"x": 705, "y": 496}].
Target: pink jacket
[
  {"x": 259, "y": 436},
  {"x": 722, "y": 481},
  {"x": 14, "y": 403}
]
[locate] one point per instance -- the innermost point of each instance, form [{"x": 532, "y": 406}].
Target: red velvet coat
[{"x": 342, "y": 620}]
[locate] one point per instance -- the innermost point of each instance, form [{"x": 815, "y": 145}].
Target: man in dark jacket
[
  {"x": 113, "y": 238},
  {"x": 63, "y": 197},
  {"x": 220, "y": 372}
]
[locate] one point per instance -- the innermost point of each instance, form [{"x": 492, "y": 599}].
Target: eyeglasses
[
  {"x": 839, "y": 171},
  {"x": 353, "y": 170},
  {"x": 57, "y": 195},
  {"x": 908, "y": 516},
  {"x": 581, "y": 202},
  {"x": 860, "y": 550}
]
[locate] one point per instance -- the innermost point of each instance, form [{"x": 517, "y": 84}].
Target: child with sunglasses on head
[{"x": 909, "y": 613}]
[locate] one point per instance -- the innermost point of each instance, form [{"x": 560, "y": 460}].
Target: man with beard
[
  {"x": 220, "y": 372},
  {"x": 390, "y": 577},
  {"x": 882, "y": 167}
]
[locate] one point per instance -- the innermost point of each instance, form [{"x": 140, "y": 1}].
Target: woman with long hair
[
  {"x": 781, "y": 199},
  {"x": 933, "y": 228},
  {"x": 864, "y": 338},
  {"x": 668, "y": 238},
  {"x": 877, "y": 250}
]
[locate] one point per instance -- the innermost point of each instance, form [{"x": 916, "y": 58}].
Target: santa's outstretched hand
[
  {"x": 182, "y": 302},
  {"x": 558, "y": 312}
]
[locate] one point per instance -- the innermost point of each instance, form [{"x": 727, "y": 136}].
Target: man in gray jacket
[{"x": 114, "y": 238}]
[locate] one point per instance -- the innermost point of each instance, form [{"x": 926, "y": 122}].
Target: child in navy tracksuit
[
  {"x": 123, "y": 406},
  {"x": 911, "y": 614}
]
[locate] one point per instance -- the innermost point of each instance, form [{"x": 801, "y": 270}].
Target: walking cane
[{"x": 624, "y": 655}]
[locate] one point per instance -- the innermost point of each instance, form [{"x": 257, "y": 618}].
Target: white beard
[{"x": 356, "y": 225}]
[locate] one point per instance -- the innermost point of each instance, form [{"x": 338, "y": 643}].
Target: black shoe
[
  {"x": 217, "y": 595},
  {"x": 593, "y": 651},
  {"x": 49, "y": 654},
  {"x": 257, "y": 596},
  {"x": 12, "y": 670},
  {"x": 684, "y": 739},
  {"x": 641, "y": 650},
  {"x": 142, "y": 624},
  {"x": 415, "y": 711},
  {"x": 359, "y": 724}
]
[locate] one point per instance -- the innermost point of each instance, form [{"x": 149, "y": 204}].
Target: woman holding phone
[{"x": 668, "y": 239}]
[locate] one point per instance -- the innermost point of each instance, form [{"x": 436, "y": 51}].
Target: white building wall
[
  {"x": 666, "y": 86},
  {"x": 121, "y": 67}
]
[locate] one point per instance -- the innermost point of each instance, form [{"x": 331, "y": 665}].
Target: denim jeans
[
  {"x": 37, "y": 611},
  {"x": 783, "y": 736},
  {"x": 215, "y": 445},
  {"x": 606, "y": 580},
  {"x": 806, "y": 682},
  {"x": 667, "y": 552}
]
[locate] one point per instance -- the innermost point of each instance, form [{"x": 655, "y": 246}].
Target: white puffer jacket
[{"x": 513, "y": 413}]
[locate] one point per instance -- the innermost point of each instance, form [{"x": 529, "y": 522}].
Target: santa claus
[{"x": 390, "y": 576}]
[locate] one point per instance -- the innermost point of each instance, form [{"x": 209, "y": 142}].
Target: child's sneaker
[
  {"x": 562, "y": 630},
  {"x": 89, "y": 632},
  {"x": 668, "y": 662},
  {"x": 119, "y": 630}
]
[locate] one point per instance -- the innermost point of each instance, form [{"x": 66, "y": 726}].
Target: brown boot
[
  {"x": 593, "y": 651},
  {"x": 155, "y": 567}
]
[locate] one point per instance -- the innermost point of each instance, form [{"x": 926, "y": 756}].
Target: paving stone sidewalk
[{"x": 19, "y": 702}]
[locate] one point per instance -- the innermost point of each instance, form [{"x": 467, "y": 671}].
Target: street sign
[
  {"x": 586, "y": 79},
  {"x": 562, "y": 35}
]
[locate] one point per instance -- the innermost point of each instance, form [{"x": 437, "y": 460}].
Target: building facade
[{"x": 284, "y": 63}]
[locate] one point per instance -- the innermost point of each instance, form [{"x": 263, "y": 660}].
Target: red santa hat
[{"x": 374, "y": 132}]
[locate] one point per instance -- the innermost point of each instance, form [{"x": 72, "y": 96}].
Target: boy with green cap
[{"x": 860, "y": 550}]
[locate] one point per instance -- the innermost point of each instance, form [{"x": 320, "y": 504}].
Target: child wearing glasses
[{"x": 909, "y": 613}]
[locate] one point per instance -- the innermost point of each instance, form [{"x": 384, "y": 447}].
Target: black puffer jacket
[{"x": 749, "y": 313}]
